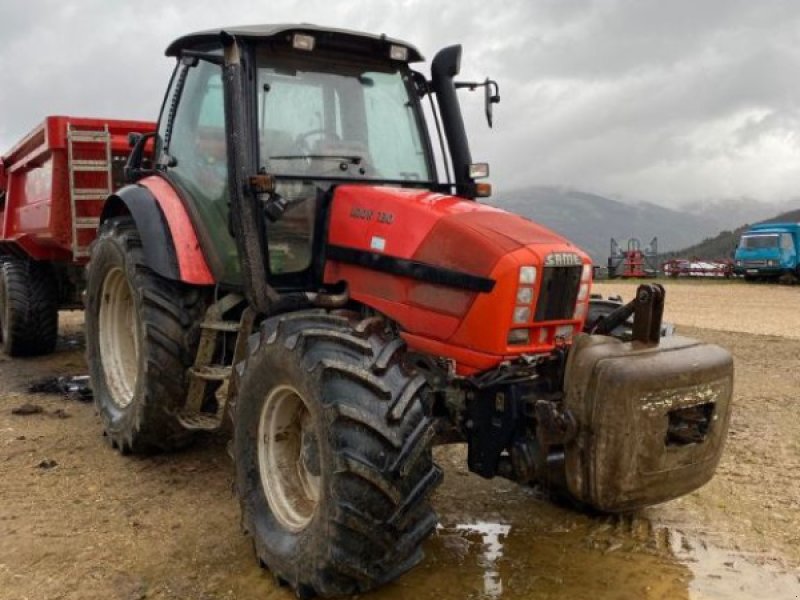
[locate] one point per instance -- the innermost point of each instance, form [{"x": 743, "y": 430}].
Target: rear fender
[{"x": 169, "y": 241}]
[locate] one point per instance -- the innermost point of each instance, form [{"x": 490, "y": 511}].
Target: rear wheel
[
  {"x": 28, "y": 307},
  {"x": 333, "y": 455},
  {"x": 142, "y": 334}
]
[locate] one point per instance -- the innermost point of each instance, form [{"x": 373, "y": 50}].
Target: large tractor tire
[
  {"x": 332, "y": 447},
  {"x": 142, "y": 333},
  {"x": 28, "y": 307}
]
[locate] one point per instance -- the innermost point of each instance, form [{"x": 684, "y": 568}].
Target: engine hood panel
[{"x": 433, "y": 228}]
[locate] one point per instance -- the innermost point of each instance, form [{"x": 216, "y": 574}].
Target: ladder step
[
  {"x": 87, "y": 222},
  {"x": 90, "y": 193},
  {"x": 88, "y": 136},
  {"x": 226, "y": 326},
  {"x": 211, "y": 373},
  {"x": 82, "y": 252},
  {"x": 200, "y": 421},
  {"x": 89, "y": 165}
]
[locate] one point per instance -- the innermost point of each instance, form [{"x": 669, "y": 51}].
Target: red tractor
[{"x": 286, "y": 261}]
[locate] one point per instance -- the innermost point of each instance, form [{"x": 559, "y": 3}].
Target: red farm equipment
[
  {"x": 633, "y": 262},
  {"x": 53, "y": 186},
  {"x": 285, "y": 262},
  {"x": 681, "y": 267}
]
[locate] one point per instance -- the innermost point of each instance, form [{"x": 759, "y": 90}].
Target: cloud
[{"x": 660, "y": 101}]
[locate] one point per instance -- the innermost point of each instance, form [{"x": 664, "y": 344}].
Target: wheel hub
[
  {"x": 309, "y": 453},
  {"x": 288, "y": 458}
]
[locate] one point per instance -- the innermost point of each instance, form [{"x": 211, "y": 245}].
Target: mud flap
[{"x": 652, "y": 419}]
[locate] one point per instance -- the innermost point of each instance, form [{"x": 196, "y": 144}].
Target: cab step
[
  {"x": 211, "y": 372},
  {"x": 206, "y": 371}
]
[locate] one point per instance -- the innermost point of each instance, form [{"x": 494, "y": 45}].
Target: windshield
[
  {"x": 321, "y": 119},
  {"x": 751, "y": 242}
]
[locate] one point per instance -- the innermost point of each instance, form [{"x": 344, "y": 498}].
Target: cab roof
[
  {"x": 772, "y": 227},
  {"x": 326, "y": 37}
]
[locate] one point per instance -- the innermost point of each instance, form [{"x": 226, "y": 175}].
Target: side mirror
[
  {"x": 133, "y": 167},
  {"x": 133, "y": 139},
  {"x": 491, "y": 96}
]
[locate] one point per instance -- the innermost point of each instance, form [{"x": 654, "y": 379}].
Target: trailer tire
[
  {"x": 28, "y": 307},
  {"x": 142, "y": 333},
  {"x": 354, "y": 424}
]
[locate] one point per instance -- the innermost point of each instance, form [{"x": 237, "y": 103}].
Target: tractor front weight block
[{"x": 651, "y": 419}]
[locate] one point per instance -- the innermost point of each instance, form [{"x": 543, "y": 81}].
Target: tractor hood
[
  {"x": 447, "y": 270},
  {"x": 433, "y": 229}
]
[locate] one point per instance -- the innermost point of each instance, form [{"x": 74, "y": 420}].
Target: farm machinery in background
[
  {"x": 633, "y": 262},
  {"x": 279, "y": 257},
  {"x": 681, "y": 267}
]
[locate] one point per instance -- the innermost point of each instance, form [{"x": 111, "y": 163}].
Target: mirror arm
[{"x": 133, "y": 166}]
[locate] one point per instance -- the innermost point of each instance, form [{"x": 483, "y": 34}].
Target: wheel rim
[
  {"x": 119, "y": 338},
  {"x": 288, "y": 458}
]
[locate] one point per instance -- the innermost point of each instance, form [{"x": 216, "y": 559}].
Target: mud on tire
[
  {"x": 364, "y": 441},
  {"x": 28, "y": 307},
  {"x": 142, "y": 333}
]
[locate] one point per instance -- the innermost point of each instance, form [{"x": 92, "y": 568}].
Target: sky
[{"x": 671, "y": 102}]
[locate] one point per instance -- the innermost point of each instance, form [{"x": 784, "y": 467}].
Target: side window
[
  {"x": 197, "y": 140},
  {"x": 786, "y": 242},
  {"x": 295, "y": 116}
]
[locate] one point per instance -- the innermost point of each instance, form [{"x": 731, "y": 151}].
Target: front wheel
[
  {"x": 142, "y": 333},
  {"x": 333, "y": 457}
]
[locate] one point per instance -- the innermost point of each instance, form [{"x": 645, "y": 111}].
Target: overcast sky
[{"x": 666, "y": 101}]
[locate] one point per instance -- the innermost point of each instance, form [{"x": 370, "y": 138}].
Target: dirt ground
[{"x": 78, "y": 521}]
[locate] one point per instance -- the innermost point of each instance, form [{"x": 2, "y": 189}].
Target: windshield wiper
[{"x": 354, "y": 159}]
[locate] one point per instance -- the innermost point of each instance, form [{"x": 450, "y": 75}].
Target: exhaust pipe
[{"x": 446, "y": 65}]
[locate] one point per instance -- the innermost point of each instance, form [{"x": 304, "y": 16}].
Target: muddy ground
[{"x": 78, "y": 521}]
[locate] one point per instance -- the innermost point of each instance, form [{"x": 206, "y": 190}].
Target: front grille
[
  {"x": 558, "y": 293},
  {"x": 755, "y": 263}
]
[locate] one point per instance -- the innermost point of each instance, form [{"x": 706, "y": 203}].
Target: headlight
[
  {"x": 522, "y": 314},
  {"x": 583, "y": 292},
  {"x": 586, "y": 274},
  {"x": 524, "y": 295},
  {"x": 519, "y": 337},
  {"x": 527, "y": 275},
  {"x": 580, "y": 311}
]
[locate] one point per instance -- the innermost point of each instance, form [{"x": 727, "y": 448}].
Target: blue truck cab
[{"x": 768, "y": 250}]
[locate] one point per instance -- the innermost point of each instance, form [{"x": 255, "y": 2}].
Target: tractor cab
[{"x": 300, "y": 110}]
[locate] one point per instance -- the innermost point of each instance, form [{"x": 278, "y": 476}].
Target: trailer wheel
[
  {"x": 332, "y": 445},
  {"x": 28, "y": 307},
  {"x": 142, "y": 333}
]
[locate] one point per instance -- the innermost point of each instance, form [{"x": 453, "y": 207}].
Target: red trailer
[{"x": 53, "y": 185}]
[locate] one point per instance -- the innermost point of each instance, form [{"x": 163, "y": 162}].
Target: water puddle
[
  {"x": 575, "y": 557},
  {"x": 492, "y": 536}
]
